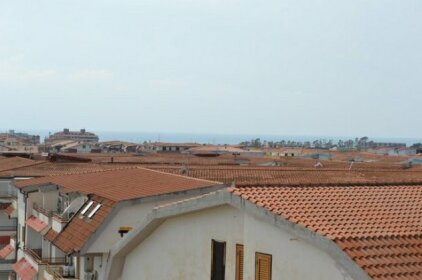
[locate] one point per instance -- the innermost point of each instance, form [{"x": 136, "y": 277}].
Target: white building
[
  {"x": 276, "y": 232},
  {"x": 70, "y": 222}
]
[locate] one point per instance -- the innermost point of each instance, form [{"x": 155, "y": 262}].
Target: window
[
  {"x": 239, "y": 262},
  {"x": 218, "y": 262},
  {"x": 262, "y": 266},
  {"x": 90, "y": 215},
  {"x": 87, "y": 207}
]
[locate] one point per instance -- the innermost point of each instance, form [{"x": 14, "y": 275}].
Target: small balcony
[
  {"x": 37, "y": 256},
  {"x": 59, "y": 272}
]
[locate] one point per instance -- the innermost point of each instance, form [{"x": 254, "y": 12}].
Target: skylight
[
  {"x": 87, "y": 207},
  {"x": 94, "y": 211}
]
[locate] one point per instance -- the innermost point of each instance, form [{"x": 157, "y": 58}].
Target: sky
[{"x": 289, "y": 67}]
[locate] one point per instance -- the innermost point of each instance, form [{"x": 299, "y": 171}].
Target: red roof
[
  {"x": 16, "y": 162},
  {"x": 24, "y": 269},
  {"x": 80, "y": 228},
  {"x": 9, "y": 210},
  {"x": 295, "y": 176},
  {"x": 121, "y": 184},
  {"x": 379, "y": 227},
  {"x": 6, "y": 251},
  {"x": 36, "y": 223}
]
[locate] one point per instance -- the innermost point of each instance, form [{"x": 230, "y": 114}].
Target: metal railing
[
  {"x": 8, "y": 228},
  {"x": 36, "y": 255},
  {"x": 58, "y": 272},
  {"x": 41, "y": 210}
]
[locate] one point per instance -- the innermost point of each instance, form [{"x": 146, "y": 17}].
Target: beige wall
[
  {"x": 181, "y": 249},
  {"x": 131, "y": 214}
]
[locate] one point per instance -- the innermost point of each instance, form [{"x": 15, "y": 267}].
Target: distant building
[
  {"x": 78, "y": 136},
  {"x": 19, "y": 137},
  {"x": 18, "y": 142},
  {"x": 73, "y": 147},
  {"x": 170, "y": 147}
]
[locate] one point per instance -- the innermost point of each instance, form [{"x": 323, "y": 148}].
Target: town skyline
[{"x": 223, "y": 66}]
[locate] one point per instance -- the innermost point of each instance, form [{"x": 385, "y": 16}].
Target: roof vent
[
  {"x": 87, "y": 207},
  {"x": 94, "y": 211}
]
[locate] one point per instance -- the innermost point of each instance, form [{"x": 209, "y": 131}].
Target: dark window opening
[{"x": 218, "y": 265}]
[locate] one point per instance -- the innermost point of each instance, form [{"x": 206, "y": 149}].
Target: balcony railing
[
  {"x": 8, "y": 228},
  {"x": 60, "y": 272},
  {"x": 43, "y": 211},
  {"x": 36, "y": 255}
]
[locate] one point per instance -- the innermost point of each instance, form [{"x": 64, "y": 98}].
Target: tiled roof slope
[
  {"x": 379, "y": 227},
  {"x": 50, "y": 168},
  {"x": 122, "y": 184},
  {"x": 16, "y": 162},
  {"x": 77, "y": 232},
  {"x": 288, "y": 176}
]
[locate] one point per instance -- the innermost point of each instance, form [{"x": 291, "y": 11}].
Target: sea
[{"x": 217, "y": 138}]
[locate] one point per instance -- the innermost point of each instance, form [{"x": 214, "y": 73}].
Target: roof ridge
[
  {"x": 87, "y": 171},
  {"x": 334, "y": 184},
  {"x": 178, "y": 175}
]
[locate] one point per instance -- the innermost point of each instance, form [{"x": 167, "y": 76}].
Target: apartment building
[
  {"x": 68, "y": 135},
  {"x": 68, "y": 223}
]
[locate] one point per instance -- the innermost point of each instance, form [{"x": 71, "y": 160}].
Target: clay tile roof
[
  {"x": 52, "y": 168},
  {"x": 121, "y": 184},
  {"x": 51, "y": 235},
  {"x": 289, "y": 176},
  {"x": 379, "y": 227},
  {"x": 9, "y": 210},
  {"x": 16, "y": 162},
  {"x": 80, "y": 228},
  {"x": 24, "y": 269},
  {"x": 6, "y": 251},
  {"x": 36, "y": 224}
]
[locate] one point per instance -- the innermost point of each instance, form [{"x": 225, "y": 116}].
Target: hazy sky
[{"x": 298, "y": 67}]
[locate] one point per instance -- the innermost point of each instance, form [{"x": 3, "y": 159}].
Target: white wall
[
  {"x": 292, "y": 258},
  {"x": 131, "y": 215},
  {"x": 181, "y": 249}
]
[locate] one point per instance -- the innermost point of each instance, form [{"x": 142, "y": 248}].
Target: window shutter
[
  {"x": 263, "y": 267},
  {"x": 239, "y": 262}
]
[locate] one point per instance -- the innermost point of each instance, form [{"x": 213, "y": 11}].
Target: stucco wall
[
  {"x": 292, "y": 258},
  {"x": 181, "y": 249},
  {"x": 130, "y": 214}
]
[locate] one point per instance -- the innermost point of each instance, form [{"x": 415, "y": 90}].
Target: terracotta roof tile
[
  {"x": 52, "y": 168},
  {"x": 379, "y": 227},
  {"x": 77, "y": 232},
  {"x": 122, "y": 184},
  {"x": 36, "y": 224},
  {"x": 10, "y": 209},
  {"x": 6, "y": 251},
  {"x": 289, "y": 176},
  {"x": 16, "y": 162},
  {"x": 51, "y": 235},
  {"x": 24, "y": 269}
]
